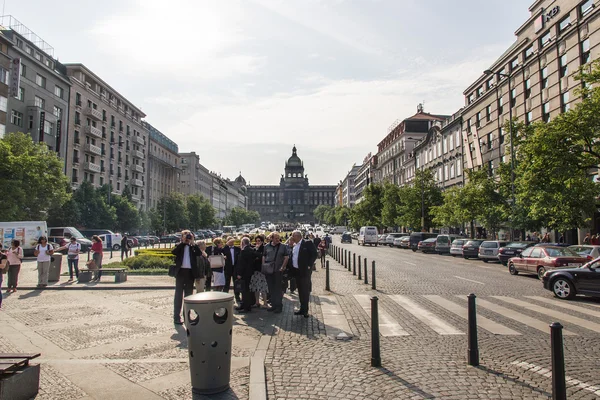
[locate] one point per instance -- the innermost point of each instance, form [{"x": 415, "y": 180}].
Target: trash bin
[
  {"x": 209, "y": 320},
  {"x": 54, "y": 272}
]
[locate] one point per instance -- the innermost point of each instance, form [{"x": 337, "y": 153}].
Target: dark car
[
  {"x": 512, "y": 249},
  {"x": 417, "y": 237},
  {"x": 566, "y": 283},
  {"x": 169, "y": 239},
  {"x": 427, "y": 245},
  {"x": 471, "y": 249},
  {"x": 346, "y": 237}
]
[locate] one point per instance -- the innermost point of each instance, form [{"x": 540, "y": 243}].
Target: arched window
[
  {"x": 294, "y": 175},
  {"x": 289, "y": 175}
]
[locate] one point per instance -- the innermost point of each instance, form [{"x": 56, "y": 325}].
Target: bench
[
  {"x": 86, "y": 275},
  {"x": 18, "y": 379}
]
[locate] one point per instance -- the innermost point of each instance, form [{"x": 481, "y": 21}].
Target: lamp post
[{"x": 512, "y": 148}]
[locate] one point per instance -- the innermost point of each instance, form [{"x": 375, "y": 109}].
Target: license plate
[
  {"x": 574, "y": 265},
  {"x": 509, "y": 252},
  {"x": 470, "y": 248},
  {"x": 488, "y": 252}
]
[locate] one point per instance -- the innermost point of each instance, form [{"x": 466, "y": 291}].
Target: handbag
[
  {"x": 3, "y": 265},
  {"x": 269, "y": 268},
  {"x": 217, "y": 261},
  {"x": 239, "y": 285},
  {"x": 172, "y": 270},
  {"x": 91, "y": 264}
]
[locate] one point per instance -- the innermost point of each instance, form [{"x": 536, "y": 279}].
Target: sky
[{"x": 241, "y": 82}]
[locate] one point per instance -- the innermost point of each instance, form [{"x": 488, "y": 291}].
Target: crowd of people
[{"x": 258, "y": 273}]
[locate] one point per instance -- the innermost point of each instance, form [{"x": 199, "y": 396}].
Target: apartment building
[
  {"x": 348, "y": 188},
  {"x": 227, "y": 194},
  {"x": 9, "y": 80},
  {"x": 533, "y": 80},
  {"x": 194, "y": 178},
  {"x": 39, "y": 100},
  {"x": 364, "y": 176},
  {"x": 108, "y": 144},
  {"x": 163, "y": 166}
]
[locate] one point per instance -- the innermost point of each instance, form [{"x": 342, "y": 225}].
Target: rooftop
[{"x": 10, "y": 22}]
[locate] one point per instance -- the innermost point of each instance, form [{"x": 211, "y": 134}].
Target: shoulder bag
[
  {"x": 217, "y": 261},
  {"x": 269, "y": 268}
]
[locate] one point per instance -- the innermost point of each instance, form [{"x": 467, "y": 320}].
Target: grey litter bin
[
  {"x": 209, "y": 321},
  {"x": 54, "y": 272}
]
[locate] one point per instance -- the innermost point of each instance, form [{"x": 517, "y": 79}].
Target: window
[
  {"x": 21, "y": 94},
  {"x": 30, "y": 122},
  {"x": 480, "y": 91},
  {"x": 77, "y": 99},
  {"x": 528, "y": 52},
  {"x": 500, "y": 106},
  {"x": 478, "y": 119},
  {"x": 49, "y": 63},
  {"x": 48, "y": 127},
  {"x": 469, "y": 125},
  {"x": 28, "y": 49},
  {"x": 458, "y": 168},
  {"x": 77, "y": 118},
  {"x": 16, "y": 118},
  {"x": 527, "y": 90},
  {"x": 490, "y": 83},
  {"x": 500, "y": 136},
  {"x": 3, "y": 103},
  {"x": 544, "y": 77},
  {"x": 564, "y": 67},
  {"x": 23, "y": 70},
  {"x": 40, "y": 80},
  {"x": 564, "y": 102},
  {"x": 58, "y": 91},
  {"x": 546, "y": 112},
  {"x": 491, "y": 167},
  {"x": 490, "y": 141},
  {"x": 586, "y": 7},
  {"x": 513, "y": 98},
  {"x": 76, "y": 137},
  {"x": 38, "y": 56},
  {"x": 470, "y": 98},
  {"x": 585, "y": 51},
  {"x": 39, "y": 102},
  {"x": 514, "y": 63},
  {"x": 4, "y": 76},
  {"x": 528, "y": 118},
  {"x": 545, "y": 39},
  {"x": 502, "y": 74},
  {"x": 564, "y": 23}
]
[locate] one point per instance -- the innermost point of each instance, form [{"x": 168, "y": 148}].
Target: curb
[{"x": 140, "y": 287}]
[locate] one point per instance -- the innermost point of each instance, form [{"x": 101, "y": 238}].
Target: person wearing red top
[{"x": 97, "y": 256}]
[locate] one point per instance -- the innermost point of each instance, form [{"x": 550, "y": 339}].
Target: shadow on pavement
[
  {"x": 514, "y": 380},
  {"x": 407, "y": 384},
  {"x": 180, "y": 336}
]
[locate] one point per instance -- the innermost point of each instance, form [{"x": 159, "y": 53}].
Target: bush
[
  {"x": 162, "y": 253},
  {"x": 147, "y": 262}
]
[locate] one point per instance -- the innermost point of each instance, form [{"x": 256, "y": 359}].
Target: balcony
[
  {"x": 138, "y": 154},
  {"x": 93, "y": 113},
  {"x": 90, "y": 148},
  {"x": 90, "y": 130},
  {"x": 138, "y": 140},
  {"x": 92, "y": 167},
  {"x": 138, "y": 168},
  {"x": 137, "y": 182}
]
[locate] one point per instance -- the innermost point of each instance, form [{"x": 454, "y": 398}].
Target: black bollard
[
  {"x": 373, "y": 281},
  {"x": 327, "y": 276},
  {"x": 473, "y": 347},
  {"x": 349, "y": 261},
  {"x": 354, "y": 264},
  {"x": 375, "y": 350},
  {"x": 111, "y": 250},
  {"x": 559, "y": 387},
  {"x": 366, "y": 278},
  {"x": 359, "y": 269},
  {"x": 344, "y": 257},
  {"x": 89, "y": 254}
]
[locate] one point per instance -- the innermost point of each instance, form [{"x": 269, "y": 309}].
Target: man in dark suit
[
  {"x": 186, "y": 271},
  {"x": 244, "y": 269},
  {"x": 303, "y": 255},
  {"x": 231, "y": 254}
]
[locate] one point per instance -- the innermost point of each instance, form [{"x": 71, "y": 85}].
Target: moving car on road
[
  {"x": 427, "y": 245},
  {"x": 537, "y": 260},
  {"x": 511, "y": 250},
  {"x": 566, "y": 283},
  {"x": 489, "y": 250},
  {"x": 346, "y": 237},
  {"x": 456, "y": 248},
  {"x": 471, "y": 249}
]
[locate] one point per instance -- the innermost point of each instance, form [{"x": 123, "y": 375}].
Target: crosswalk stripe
[
  {"x": 569, "y": 306},
  {"x": 522, "y": 318},
  {"x": 425, "y": 316},
  {"x": 387, "y": 325},
  {"x": 482, "y": 322},
  {"x": 333, "y": 316},
  {"x": 553, "y": 313}
]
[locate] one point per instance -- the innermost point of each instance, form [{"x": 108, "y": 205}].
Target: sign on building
[{"x": 15, "y": 77}]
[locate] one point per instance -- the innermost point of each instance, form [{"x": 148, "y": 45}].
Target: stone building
[
  {"x": 163, "y": 165},
  {"x": 364, "y": 176},
  {"x": 294, "y": 199}
]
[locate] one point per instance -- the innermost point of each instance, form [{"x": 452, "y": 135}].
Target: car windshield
[
  {"x": 458, "y": 242},
  {"x": 560, "y": 252},
  {"x": 429, "y": 240},
  {"x": 473, "y": 243},
  {"x": 517, "y": 245},
  {"x": 443, "y": 239},
  {"x": 489, "y": 244}
]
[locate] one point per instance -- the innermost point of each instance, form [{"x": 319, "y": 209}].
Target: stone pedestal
[{"x": 21, "y": 385}]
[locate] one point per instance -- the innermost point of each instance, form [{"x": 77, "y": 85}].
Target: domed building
[{"x": 293, "y": 200}]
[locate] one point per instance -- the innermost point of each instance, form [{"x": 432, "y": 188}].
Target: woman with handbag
[
  {"x": 203, "y": 265},
  {"x": 73, "y": 250},
  {"x": 97, "y": 256},
  {"x": 258, "y": 282},
  {"x": 14, "y": 257},
  {"x": 43, "y": 251},
  {"x": 217, "y": 265}
]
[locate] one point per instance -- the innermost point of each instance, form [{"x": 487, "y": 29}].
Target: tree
[
  {"x": 320, "y": 212},
  {"x": 193, "y": 204},
  {"x": 452, "y": 211},
  {"x": 342, "y": 215},
  {"x": 418, "y": 200},
  {"x": 128, "y": 216},
  {"x": 209, "y": 213},
  {"x": 391, "y": 200},
  {"x": 239, "y": 216},
  {"x": 156, "y": 220},
  {"x": 67, "y": 214},
  {"x": 94, "y": 212},
  {"x": 482, "y": 199},
  {"x": 173, "y": 212},
  {"x": 32, "y": 178},
  {"x": 368, "y": 211}
]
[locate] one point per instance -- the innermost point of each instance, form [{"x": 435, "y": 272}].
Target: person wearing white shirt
[
  {"x": 43, "y": 251},
  {"x": 186, "y": 271}
]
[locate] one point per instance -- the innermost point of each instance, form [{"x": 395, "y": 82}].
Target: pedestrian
[
  {"x": 303, "y": 255},
  {"x": 43, "y": 251},
  {"x": 546, "y": 238},
  {"x": 186, "y": 271},
  {"x": 218, "y": 273},
  {"x": 73, "y": 249},
  {"x": 322, "y": 252},
  {"x": 289, "y": 279},
  {"x": 97, "y": 256},
  {"x": 528, "y": 237},
  {"x": 14, "y": 256},
  {"x": 231, "y": 253},
  {"x": 124, "y": 247},
  {"x": 587, "y": 239},
  {"x": 274, "y": 263},
  {"x": 203, "y": 266},
  {"x": 258, "y": 281},
  {"x": 244, "y": 269}
]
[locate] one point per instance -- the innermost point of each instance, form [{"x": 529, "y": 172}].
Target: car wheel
[
  {"x": 512, "y": 269},
  {"x": 465, "y": 257},
  {"x": 116, "y": 247},
  {"x": 414, "y": 250},
  {"x": 563, "y": 288},
  {"x": 484, "y": 260},
  {"x": 541, "y": 271},
  {"x": 375, "y": 245}
]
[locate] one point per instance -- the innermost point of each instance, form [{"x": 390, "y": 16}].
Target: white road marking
[
  {"x": 470, "y": 280},
  {"x": 553, "y": 313},
  {"x": 423, "y": 315},
  {"x": 548, "y": 373},
  {"x": 482, "y": 322},
  {"x": 568, "y": 306},
  {"x": 387, "y": 325},
  {"x": 333, "y": 317},
  {"x": 409, "y": 263}
]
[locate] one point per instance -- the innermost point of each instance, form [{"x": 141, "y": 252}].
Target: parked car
[
  {"x": 354, "y": 235},
  {"x": 427, "y": 245},
  {"x": 389, "y": 239},
  {"x": 368, "y": 235},
  {"x": 58, "y": 234},
  {"x": 539, "y": 259},
  {"x": 568, "y": 282},
  {"x": 488, "y": 250},
  {"x": 405, "y": 242},
  {"x": 417, "y": 237},
  {"x": 511, "y": 250},
  {"x": 381, "y": 238},
  {"x": 346, "y": 237},
  {"x": 552, "y": 244},
  {"x": 154, "y": 239},
  {"x": 591, "y": 252},
  {"x": 111, "y": 241},
  {"x": 443, "y": 243},
  {"x": 456, "y": 248},
  {"x": 398, "y": 241},
  {"x": 471, "y": 249},
  {"x": 169, "y": 239}
]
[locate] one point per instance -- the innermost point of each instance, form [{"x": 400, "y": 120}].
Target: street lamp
[{"x": 512, "y": 148}]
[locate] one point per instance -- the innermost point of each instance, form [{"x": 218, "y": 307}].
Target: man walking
[
  {"x": 231, "y": 254},
  {"x": 124, "y": 246},
  {"x": 186, "y": 271},
  {"x": 275, "y": 259},
  {"x": 244, "y": 269},
  {"x": 304, "y": 255}
]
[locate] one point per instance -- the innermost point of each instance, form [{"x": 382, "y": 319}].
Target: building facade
[
  {"x": 108, "y": 144},
  {"x": 346, "y": 190},
  {"x": 227, "y": 194},
  {"x": 293, "y": 200},
  {"x": 163, "y": 166},
  {"x": 364, "y": 176},
  {"x": 39, "y": 102},
  {"x": 7, "y": 80}
]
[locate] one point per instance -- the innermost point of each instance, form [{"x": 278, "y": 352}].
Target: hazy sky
[{"x": 241, "y": 82}]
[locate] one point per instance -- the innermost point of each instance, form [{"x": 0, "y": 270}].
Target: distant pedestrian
[
  {"x": 73, "y": 249},
  {"x": 186, "y": 271},
  {"x": 546, "y": 238},
  {"x": 595, "y": 239},
  {"x": 275, "y": 260},
  {"x": 43, "y": 251},
  {"x": 97, "y": 248},
  {"x": 587, "y": 239},
  {"x": 322, "y": 252},
  {"x": 124, "y": 247},
  {"x": 244, "y": 269},
  {"x": 14, "y": 256},
  {"x": 528, "y": 237},
  {"x": 218, "y": 273}
]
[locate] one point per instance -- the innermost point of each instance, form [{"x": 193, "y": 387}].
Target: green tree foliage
[
  {"x": 31, "y": 177},
  {"x": 128, "y": 217},
  {"x": 238, "y": 216},
  {"x": 391, "y": 201},
  {"x": 453, "y": 211},
  {"x": 67, "y": 214},
  {"x": 320, "y": 212},
  {"x": 482, "y": 201},
  {"x": 342, "y": 215},
  {"x": 417, "y": 200},
  {"x": 174, "y": 212},
  {"x": 368, "y": 211},
  {"x": 94, "y": 211}
]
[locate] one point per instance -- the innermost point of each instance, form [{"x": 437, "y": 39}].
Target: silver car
[
  {"x": 456, "y": 248},
  {"x": 389, "y": 240},
  {"x": 489, "y": 250},
  {"x": 587, "y": 250}
]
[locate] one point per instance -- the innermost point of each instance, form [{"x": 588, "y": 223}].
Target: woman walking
[
  {"x": 43, "y": 251},
  {"x": 203, "y": 266},
  {"x": 218, "y": 274},
  {"x": 73, "y": 250},
  {"x": 97, "y": 256},
  {"x": 322, "y": 252},
  {"x": 258, "y": 282},
  {"x": 15, "y": 257}
]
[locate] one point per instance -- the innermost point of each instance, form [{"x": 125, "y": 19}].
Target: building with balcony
[
  {"x": 364, "y": 176},
  {"x": 106, "y": 131},
  {"x": 9, "y": 84},
  {"x": 163, "y": 165},
  {"x": 39, "y": 100},
  {"x": 227, "y": 194},
  {"x": 194, "y": 178}
]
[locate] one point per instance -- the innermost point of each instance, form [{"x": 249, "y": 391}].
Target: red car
[
  {"x": 537, "y": 260},
  {"x": 427, "y": 245}
]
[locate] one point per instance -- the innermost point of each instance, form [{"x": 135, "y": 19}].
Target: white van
[
  {"x": 368, "y": 235},
  {"x": 26, "y": 232},
  {"x": 109, "y": 241}
]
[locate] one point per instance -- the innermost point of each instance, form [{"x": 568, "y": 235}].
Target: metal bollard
[
  {"x": 88, "y": 254},
  {"x": 349, "y": 261},
  {"x": 344, "y": 257},
  {"x": 366, "y": 279},
  {"x": 111, "y": 250},
  {"x": 354, "y": 264},
  {"x": 375, "y": 349},
  {"x": 473, "y": 347},
  {"x": 359, "y": 269},
  {"x": 559, "y": 387},
  {"x": 373, "y": 281},
  {"x": 327, "y": 276}
]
